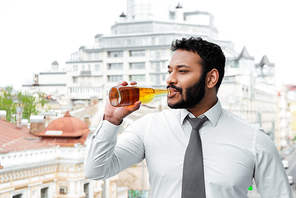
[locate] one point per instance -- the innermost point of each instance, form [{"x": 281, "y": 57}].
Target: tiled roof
[
  {"x": 15, "y": 139},
  {"x": 65, "y": 131}
]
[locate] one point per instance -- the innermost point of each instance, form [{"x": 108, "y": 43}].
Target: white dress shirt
[{"x": 233, "y": 150}]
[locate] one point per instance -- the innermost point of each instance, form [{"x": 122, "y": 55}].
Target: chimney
[
  {"x": 37, "y": 124},
  {"x": 87, "y": 120},
  {"x": 19, "y": 111},
  {"x": 122, "y": 17},
  {"x": 2, "y": 115},
  {"x": 179, "y": 17},
  {"x": 94, "y": 100}
]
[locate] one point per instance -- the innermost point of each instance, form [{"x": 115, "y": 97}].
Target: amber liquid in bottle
[{"x": 127, "y": 95}]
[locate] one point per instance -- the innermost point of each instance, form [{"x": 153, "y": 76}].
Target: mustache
[{"x": 179, "y": 89}]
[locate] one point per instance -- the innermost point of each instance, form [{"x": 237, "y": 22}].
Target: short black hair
[{"x": 211, "y": 54}]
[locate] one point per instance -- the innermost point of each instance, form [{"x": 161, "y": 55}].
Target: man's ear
[{"x": 212, "y": 78}]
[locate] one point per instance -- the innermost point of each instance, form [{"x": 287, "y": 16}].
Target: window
[
  {"x": 115, "y": 66},
  {"x": 136, "y": 53},
  {"x": 152, "y": 65},
  {"x": 75, "y": 67},
  {"x": 153, "y": 41},
  {"x": 163, "y": 53},
  {"x": 75, "y": 79},
  {"x": 155, "y": 65},
  {"x": 17, "y": 196},
  {"x": 115, "y": 78},
  {"x": 86, "y": 190},
  {"x": 164, "y": 65},
  {"x": 152, "y": 53},
  {"x": 63, "y": 189},
  {"x": 44, "y": 193},
  {"x": 97, "y": 67},
  {"x": 137, "y": 65},
  {"x": 97, "y": 55},
  {"x": 115, "y": 54},
  {"x": 138, "y": 78},
  {"x": 90, "y": 56},
  {"x": 152, "y": 77},
  {"x": 82, "y": 67},
  {"x": 88, "y": 67}
]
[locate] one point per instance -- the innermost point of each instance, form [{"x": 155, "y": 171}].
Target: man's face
[{"x": 185, "y": 81}]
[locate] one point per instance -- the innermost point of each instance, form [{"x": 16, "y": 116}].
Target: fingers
[
  {"x": 134, "y": 107},
  {"x": 124, "y": 83},
  {"x": 133, "y": 83}
]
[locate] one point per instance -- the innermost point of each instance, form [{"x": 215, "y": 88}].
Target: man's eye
[
  {"x": 182, "y": 71},
  {"x": 169, "y": 72}
]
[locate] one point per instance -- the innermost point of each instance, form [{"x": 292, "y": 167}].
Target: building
[
  {"x": 53, "y": 83},
  {"x": 248, "y": 89},
  {"x": 47, "y": 162},
  {"x": 286, "y": 115},
  {"x": 138, "y": 48}
]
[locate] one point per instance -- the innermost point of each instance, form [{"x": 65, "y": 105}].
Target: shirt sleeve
[
  {"x": 270, "y": 176},
  {"x": 106, "y": 157}
]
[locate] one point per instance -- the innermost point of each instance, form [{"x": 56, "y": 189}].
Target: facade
[
  {"x": 53, "y": 83},
  {"x": 47, "y": 162},
  {"x": 248, "y": 89},
  {"x": 287, "y": 115},
  {"x": 138, "y": 48}
]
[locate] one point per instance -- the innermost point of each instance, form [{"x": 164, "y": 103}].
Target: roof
[
  {"x": 245, "y": 54},
  {"x": 179, "y": 5},
  {"x": 264, "y": 61},
  {"x": 54, "y": 63},
  {"x": 95, "y": 112},
  {"x": 122, "y": 15},
  {"x": 74, "y": 131},
  {"x": 15, "y": 139},
  {"x": 66, "y": 131},
  {"x": 66, "y": 126}
]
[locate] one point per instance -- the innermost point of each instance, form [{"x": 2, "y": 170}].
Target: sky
[{"x": 34, "y": 33}]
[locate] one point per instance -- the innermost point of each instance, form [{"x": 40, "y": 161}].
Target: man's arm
[
  {"x": 270, "y": 176},
  {"x": 103, "y": 159},
  {"x": 106, "y": 157}
]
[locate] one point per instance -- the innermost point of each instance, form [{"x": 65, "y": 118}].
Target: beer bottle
[{"x": 127, "y": 95}]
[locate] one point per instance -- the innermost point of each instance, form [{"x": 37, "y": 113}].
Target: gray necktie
[{"x": 193, "y": 185}]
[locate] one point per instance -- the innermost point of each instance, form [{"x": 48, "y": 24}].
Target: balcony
[{"x": 85, "y": 73}]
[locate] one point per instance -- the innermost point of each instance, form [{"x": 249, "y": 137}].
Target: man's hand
[{"x": 115, "y": 115}]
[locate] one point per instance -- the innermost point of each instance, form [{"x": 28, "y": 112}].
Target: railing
[{"x": 85, "y": 73}]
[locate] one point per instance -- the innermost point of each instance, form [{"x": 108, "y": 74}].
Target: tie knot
[{"x": 197, "y": 123}]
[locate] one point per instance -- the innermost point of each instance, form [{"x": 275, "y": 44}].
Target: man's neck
[{"x": 203, "y": 106}]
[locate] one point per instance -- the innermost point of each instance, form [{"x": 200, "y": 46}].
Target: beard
[{"x": 193, "y": 94}]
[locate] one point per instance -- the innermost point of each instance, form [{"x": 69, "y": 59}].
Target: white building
[
  {"x": 248, "y": 89},
  {"x": 138, "y": 48},
  {"x": 53, "y": 83}
]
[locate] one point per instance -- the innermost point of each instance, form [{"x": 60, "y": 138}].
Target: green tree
[
  {"x": 6, "y": 102},
  {"x": 28, "y": 103}
]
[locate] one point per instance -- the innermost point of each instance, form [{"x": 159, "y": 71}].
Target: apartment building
[{"x": 138, "y": 48}]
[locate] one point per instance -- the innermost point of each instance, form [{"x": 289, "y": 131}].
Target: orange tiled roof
[{"x": 15, "y": 139}]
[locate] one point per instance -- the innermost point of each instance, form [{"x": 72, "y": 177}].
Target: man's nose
[{"x": 171, "y": 79}]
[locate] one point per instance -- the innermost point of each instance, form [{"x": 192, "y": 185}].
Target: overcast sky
[{"x": 34, "y": 33}]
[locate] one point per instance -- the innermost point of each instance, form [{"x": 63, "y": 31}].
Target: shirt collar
[{"x": 213, "y": 114}]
